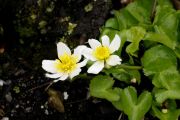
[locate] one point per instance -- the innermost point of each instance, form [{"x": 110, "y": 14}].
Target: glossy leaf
[
  {"x": 125, "y": 75},
  {"x": 162, "y": 94},
  {"x": 160, "y": 38},
  {"x": 170, "y": 114},
  {"x": 166, "y": 21},
  {"x": 135, "y": 107},
  {"x": 134, "y": 35},
  {"x": 168, "y": 79},
  {"x": 101, "y": 87},
  {"x": 112, "y": 23},
  {"x": 135, "y": 13},
  {"x": 167, "y": 85},
  {"x": 157, "y": 59}
]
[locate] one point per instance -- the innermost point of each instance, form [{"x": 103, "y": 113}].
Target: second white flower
[{"x": 102, "y": 54}]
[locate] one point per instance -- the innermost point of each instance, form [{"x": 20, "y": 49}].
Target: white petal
[
  {"x": 94, "y": 43},
  {"x": 48, "y": 65},
  {"x": 113, "y": 60},
  {"x": 83, "y": 63},
  {"x": 96, "y": 67},
  {"x": 63, "y": 77},
  {"x": 105, "y": 40},
  {"x": 56, "y": 75},
  {"x": 56, "y": 80},
  {"x": 78, "y": 52},
  {"x": 75, "y": 73},
  {"x": 62, "y": 48},
  {"x": 88, "y": 54},
  {"x": 115, "y": 44}
]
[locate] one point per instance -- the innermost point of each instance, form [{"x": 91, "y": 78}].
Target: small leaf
[
  {"x": 157, "y": 59},
  {"x": 112, "y": 23},
  {"x": 168, "y": 79},
  {"x": 141, "y": 10},
  {"x": 101, "y": 87},
  {"x": 160, "y": 38},
  {"x": 134, "y": 35},
  {"x": 162, "y": 94},
  {"x": 125, "y": 19},
  {"x": 137, "y": 12},
  {"x": 167, "y": 85},
  {"x": 125, "y": 75},
  {"x": 171, "y": 114},
  {"x": 134, "y": 107},
  {"x": 167, "y": 21}
]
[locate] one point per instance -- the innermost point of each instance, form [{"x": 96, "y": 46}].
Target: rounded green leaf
[
  {"x": 157, "y": 59},
  {"x": 101, "y": 87}
]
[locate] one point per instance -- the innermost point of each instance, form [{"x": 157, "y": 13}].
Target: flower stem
[
  {"x": 130, "y": 67},
  {"x": 82, "y": 76}
]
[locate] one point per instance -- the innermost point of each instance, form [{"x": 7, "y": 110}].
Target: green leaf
[
  {"x": 124, "y": 74},
  {"x": 141, "y": 10},
  {"x": 112, "y": 23},
  {"x": 166, "y": 23},
  {"x": 137, "y": 12},
  {"x": 160, "y": 38},
  {"x": 165, "y": 2},
  {"x": 166, "y": 26},
  {"x": 162, "y": 94},
  {"x": 161, "y": 62},
  {"x": 168, "y": 79},
  {"x": 134, "y": 35},
  {"x": 120, "y": 74},
  {"x": 134, "y": 107},
  {"x": 170, "y": 114},
  {"x": 109, "y": 32},
  {"x": 125, "y": 19},
  {"x": 167, "y": 85},
  {"x": 101, "y": 87},
  {"x": 157, "y": 59}
]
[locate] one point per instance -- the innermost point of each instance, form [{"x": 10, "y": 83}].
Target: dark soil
[{"x": 24, "y": 49}]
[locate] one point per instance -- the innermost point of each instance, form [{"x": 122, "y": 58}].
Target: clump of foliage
[
  {"x": 157, "y": 35},
  {"x": 150, "y": 52}
]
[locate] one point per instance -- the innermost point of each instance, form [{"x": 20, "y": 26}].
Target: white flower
[
  {"x": 68, "y": 65},
  {"x": 102, "y": 54}
]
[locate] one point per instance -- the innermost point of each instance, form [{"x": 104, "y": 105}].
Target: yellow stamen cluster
[
  {"x": 66, "y": 64},
  {"x": 101, "y": 52}
]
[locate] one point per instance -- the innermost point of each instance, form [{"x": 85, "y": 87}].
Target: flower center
[
  {"x": 101, "y": 52},
  {"x": 66, "y": 64}
]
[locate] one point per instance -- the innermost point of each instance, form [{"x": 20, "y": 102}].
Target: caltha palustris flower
[
  {"x": 67, "y": 65},
  {"x": 102, "y": 54}
]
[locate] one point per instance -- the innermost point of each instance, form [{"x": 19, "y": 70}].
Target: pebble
[
  {"x": 1, "y": 82},
  {"x": 5, "y": 118},
  {"x": 17, "y": 106},
  {"x": 42, "y": 107},
  {"x": 46, "y": 112},
  {"x": 65, "y": 95},
  {"x": 28, "y": 109},
  {"x": 8, "y": 97}
]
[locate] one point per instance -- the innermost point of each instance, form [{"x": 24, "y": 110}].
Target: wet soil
[{"x": 24, "y": 95}]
